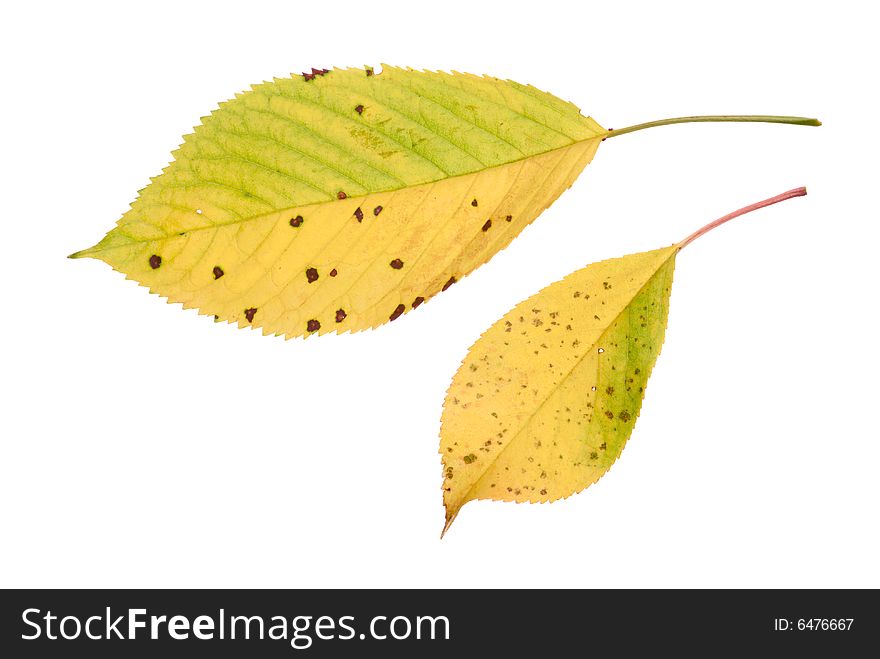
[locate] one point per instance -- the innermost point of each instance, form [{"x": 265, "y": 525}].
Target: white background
[{"x": 146, "y": 446}]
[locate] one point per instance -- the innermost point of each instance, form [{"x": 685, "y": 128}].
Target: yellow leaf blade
[
  {"x": 341, "y": 202},
  {"x": 546, "y": 399}
]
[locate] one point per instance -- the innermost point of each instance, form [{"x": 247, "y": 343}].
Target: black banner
[{"x": 428, "y": 623}]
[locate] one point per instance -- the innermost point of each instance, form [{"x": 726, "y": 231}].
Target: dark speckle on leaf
[
  {"x": 340, "y": 315},
  {"x": 377, "y": 210},
  {"x": 218, "y": 272},
  {"x": 359, "y": 214},
  {"x": 311, "y": 275},
  {"x": 397, "y": 264},
  {"x": 469, "y": 458},
  {"x": 398, "y": 312},
  {"x": 448, "y": 283},
  {"x": 609, "y": 414},
  {"x": 474, "y": 203},
  {"x": 341, "y": 195},
  {"x": 624, "y": 416},
  {"x": 359, "y": 109},
  {"x": 417, "y": 302},
  {"x": 313, "y": 325},
  {"x": 296, "y": 221},
  {"x": 333, "y": 272},
  {"x": 487, "y": 225},
  {"x": 250, "y": 313},
  {"x": 509, "y": 218},
  {"x": 155, "y": 261}
]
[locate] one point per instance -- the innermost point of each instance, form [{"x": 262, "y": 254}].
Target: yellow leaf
[
  {"x": 545, "y": 400},
  {"x": 339, "y": 200}
]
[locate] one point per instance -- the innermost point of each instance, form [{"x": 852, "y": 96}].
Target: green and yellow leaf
[
  {"x": 546, "y": 399},
  {"x": 340, "y": 200}
]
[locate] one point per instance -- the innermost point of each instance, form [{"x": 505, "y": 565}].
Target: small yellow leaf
[{"x": 546, "y": 399}]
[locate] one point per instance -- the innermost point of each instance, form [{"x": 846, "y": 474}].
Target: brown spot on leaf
[
  {"x": 474, "y": 203},
  {"x": 359, "y": 109},
  {"x": 417, "y": 301},
  {"x": 624, "y": 416},
  {"x": 333, "y": 272},
  {"x": 218, "y": 272},
  {"x": 155, "y": 261},
  {"x": 369, "y": 70},
  {"x": 398, "y": 312},
  {"x": 296, "y": 221},
  {"x": 312, "y": 275},
  {"x": 359, "y": 214},
  {"x": 593, "y": 455},
  {"x": 509, "y": 218},
  {"x": 313, "y": 325},
  {"x": 250, "y": 313},
  {"x": 377, "y": 210},
  {"x": 397, "y": 264},
  {"x": 487, "y": 225},
  {"x": 308, "y": 76},
  {"x": 340, "y": 315},
  {"x": 469, "y": 458},
  {"x": 609, "y": 414},
  {"x": 448, "y": 283},
  {"x": 341, "y": 195}
]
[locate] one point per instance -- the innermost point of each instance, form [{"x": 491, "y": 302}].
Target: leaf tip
[
  {"x": 82, "y": 254},
  {"x": 450, "y": 517}
]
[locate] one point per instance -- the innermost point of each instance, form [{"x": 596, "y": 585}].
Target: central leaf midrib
[{"x": 303, "y": 208}]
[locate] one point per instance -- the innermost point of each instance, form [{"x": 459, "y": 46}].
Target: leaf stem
[
  {"x": 797, "y": 192},
  {"x": 738, "y": 118}
]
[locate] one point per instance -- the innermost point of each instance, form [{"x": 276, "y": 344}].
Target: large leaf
[
  {"x": 546, "y": 399},
  {"x": 340, "y": 200}
]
